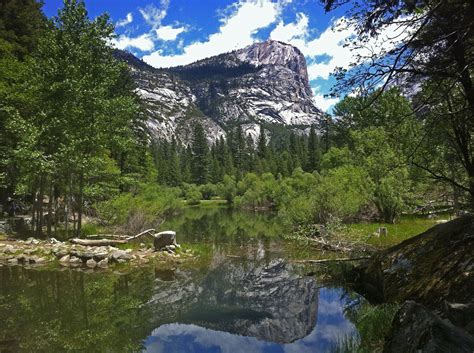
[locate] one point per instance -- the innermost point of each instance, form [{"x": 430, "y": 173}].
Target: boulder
[
  {"x": 121, "y": 255},
  {"x": 60, "y": 253},
  {"x": 100, "y": 255},
  {"x": 91, "y": 263},
  {"x": 9, "y": 249},
  {"x": 413, "y": 269},
  {"x": 40, "y": 260},
  {"x": 64, "y": 261},
  {"x": 163, "y": 239},
  {"x": 104, "y": 263},
  {"x": 415, "y": 329},
  {"x": 75, "y": 261}
]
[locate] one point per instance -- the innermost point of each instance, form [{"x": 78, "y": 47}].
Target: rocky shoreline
[{"x": 35, "y": 252}]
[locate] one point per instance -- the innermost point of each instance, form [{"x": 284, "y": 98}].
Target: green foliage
[
  {"x": 340, "y": 193},
  {"x": 227, "y": 189},
  {"x": 208, "y": 191},
  {"x": 200, "y": 156},
  {"x": 373, "y": 323},
  {"x": 145, "y": 208},
  {"x": 192, "y": 194},
  {"x": 21, "y": 25}
]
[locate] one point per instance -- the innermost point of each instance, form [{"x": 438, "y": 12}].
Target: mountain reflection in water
[
  {"x": 254, "y": 303},
  {"x": 331, "y": 327}
]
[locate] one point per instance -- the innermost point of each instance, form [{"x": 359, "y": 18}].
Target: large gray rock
[
  {"x": 416, "y": 329},
  {"x": 120, "y": 256},
  {"x": 162, "y": 239}
]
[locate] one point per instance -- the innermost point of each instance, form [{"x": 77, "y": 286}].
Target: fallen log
[
  {"x": 112, "y": 236},
  {"x": 98, "y": 242},
  {"x": 322, "y": 261},
  {"x": 148, "y": 231},
  {"x": 107, "y": 242},
  {"x": 329, "y": 246}
]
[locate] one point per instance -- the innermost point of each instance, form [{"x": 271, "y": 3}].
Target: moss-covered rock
[{"x": 431, "y": 268}]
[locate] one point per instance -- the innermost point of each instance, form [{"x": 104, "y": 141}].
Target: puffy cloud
[
  {"x": 154, "y": 15},
  {"x": 333, "y": 43},
  {"x": 127, "y": 20},
  {"x": 236, "y": 31},
  {"x": 323, "y": 102},
  {"x": 143, "y": 42},
  {"x": 169, "y": 32},
  {"x": 288, "y": 32}
]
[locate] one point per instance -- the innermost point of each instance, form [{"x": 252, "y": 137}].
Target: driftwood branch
[
  {"x": 98, "y": 242},
  {"x": 112, "y": 236},
  {"x": 106, "y": 242},
  {"x": 332, "y": 246},
  {"x": 322, "y": 261},
  {"x": 148, "y": 231}
]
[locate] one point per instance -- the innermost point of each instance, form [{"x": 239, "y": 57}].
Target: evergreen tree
[
  {"x": 185, "y": 164},
  {"x": 262, "y": 143},
  {"x": 174, "y": 172},
  {"x": 314, "y": 151},
  {"x": 21, "y": 25},
  {"x": 200, "y": 156}
]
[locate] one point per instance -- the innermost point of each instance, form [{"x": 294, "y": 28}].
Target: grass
[
  {"x": 373, "y": 323},
  {"x": 206, "y": 203},
  {"x": 405, "y": 228}
]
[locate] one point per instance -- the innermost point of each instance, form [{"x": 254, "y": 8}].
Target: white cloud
[
  {"x": 236, "y": 31},
  {"x": 169, "y": 32},
  {"x": 322, "y": 102},
  {"x": 143, "y": 42},
  {"x": 288, "y": 32},
  {"x": 127, "y": 20},
  {"x": 154, "y": 15}
]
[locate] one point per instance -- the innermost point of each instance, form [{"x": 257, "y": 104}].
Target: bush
[
  {"x": 227, "y": 189},
  {"x": 192, "y": 194},
  {"x": 134, "y": 212},
  {"x": 341, "y": 193},
  {"x": 208, "y": 191}
]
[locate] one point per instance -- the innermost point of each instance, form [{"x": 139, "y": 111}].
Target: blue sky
[{"x": 175, "y": 32}]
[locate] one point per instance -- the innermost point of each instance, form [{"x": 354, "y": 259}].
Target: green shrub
[
  {"x": 227, "y": 189},
  {"x": 208, "y": 191},
  {"x": 146, "y": 208},
  {"x": 192, "y": 194}
]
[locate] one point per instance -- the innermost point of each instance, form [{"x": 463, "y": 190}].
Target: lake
[{"x": 244, "y": 295}]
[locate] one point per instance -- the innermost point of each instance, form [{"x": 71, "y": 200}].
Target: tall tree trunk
[
  {"x": 80, "y": 202},
  {"x": 33, "y": 211},
  {"x": 50, "y": 208},
  {"x": 40, "y": 218}
]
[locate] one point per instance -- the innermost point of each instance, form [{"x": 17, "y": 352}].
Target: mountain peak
[{"x": 272, "y": 52}]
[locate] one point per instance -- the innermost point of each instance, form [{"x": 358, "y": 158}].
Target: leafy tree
[
  {"x": 435, "y": 48},
  {"x": 228, "y": 189},
  {"x": 80, "y": 107},
  {"x": 386, "y": 169}
]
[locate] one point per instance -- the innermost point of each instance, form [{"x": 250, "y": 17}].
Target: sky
[{"x": 167, "y": 33}]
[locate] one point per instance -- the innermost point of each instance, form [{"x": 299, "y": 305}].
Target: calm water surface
[{"x": 251, "y": 301}]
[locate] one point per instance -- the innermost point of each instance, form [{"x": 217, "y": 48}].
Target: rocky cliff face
[{"x": 262, "y": 83}]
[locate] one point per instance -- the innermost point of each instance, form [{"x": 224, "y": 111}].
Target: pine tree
[
  {"x": 200, "y": 156},
  {"x": 314, "y": 151},
  {"x": 174, "y": 172},
  {"x": 262, "y": 143},
  {"x": 185, "y": 165}
]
